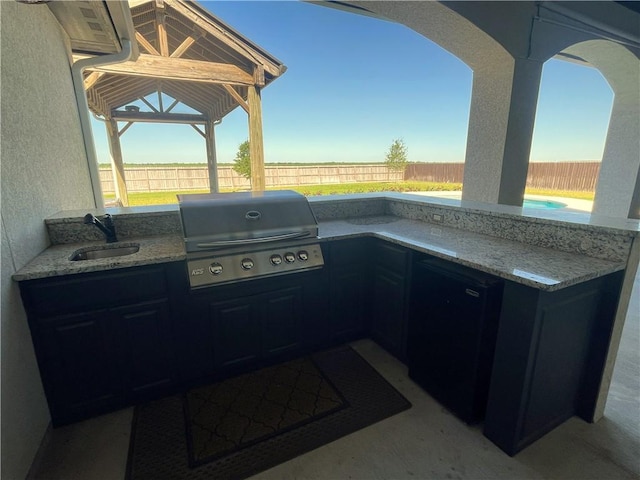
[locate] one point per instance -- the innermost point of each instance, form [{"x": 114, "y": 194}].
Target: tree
[
  {"x": 243, "y": 160},
  {"x": 396, "y": 158}
]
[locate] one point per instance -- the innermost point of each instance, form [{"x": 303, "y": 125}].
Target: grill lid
[{"x": 220, "y": 220}]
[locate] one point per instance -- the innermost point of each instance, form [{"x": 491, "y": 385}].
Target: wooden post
[
  {"x": 117, "y": 166},
  {"x": 256, "y": 148},
  {"x": 212, "y": 161}
]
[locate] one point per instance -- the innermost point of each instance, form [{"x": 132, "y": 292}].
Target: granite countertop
[
  {"x": 541, "y": 268},
  {"x": 54, "y": 261}
]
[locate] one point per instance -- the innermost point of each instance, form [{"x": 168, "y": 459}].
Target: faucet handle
[{"x": 108, "y": 221}]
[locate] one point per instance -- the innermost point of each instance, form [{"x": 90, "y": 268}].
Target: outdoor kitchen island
[{"x": 559, "y": 304}]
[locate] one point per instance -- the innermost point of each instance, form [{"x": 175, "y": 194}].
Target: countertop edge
[{"x": 53, "y": 262}]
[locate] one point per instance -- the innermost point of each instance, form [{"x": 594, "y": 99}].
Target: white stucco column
[
  {"x": 618, "y": 181},
  {"x": 618, "y": 187},
  {"x": 503, "y": 109}
]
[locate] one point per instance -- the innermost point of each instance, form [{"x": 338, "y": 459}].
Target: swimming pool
[{"x": 543, "y": 204}]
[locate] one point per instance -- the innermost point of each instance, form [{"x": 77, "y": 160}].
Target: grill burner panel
[
  {"x": 232, "y": 237},
  {"x": 215, "y": 270}
]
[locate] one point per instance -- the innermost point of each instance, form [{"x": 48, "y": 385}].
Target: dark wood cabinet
[
  {"x": 102, "y": 340},
  {"x": 389, "y": 294},
  {"x": 241, "y": 326},
  {"x": 282, "y": 322},
  {"x": 107, "y": 340},
  {"x": 80, "y": 374},
  {"x": 348, "y": 287},
  {"x": 388, "y": 310},
  {"x": 549, "y": 359},
  {"x": 235, "y": 328},
  {"x": 144, "y": 334}
]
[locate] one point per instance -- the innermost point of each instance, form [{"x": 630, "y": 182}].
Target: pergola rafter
[{"x": 197, "y": 60}]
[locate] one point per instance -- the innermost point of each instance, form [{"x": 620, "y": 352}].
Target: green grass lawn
[
  {"x": 163, "y": 198},
  {"x": 560, "y": 193}
]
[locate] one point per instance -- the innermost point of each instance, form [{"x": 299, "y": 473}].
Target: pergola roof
[{"x": 188, "y": 54}]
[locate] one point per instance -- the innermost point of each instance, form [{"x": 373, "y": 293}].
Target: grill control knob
[
  {"x": 289, "y": 257},
  {"x": 275, "y": 259},
  {"x": 303, "y": 255},
  {"x": 215, "y": 268},
  {"x": 247, "y": 264}
]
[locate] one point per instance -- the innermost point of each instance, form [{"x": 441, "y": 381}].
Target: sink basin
[{"x": 104, "y": 251}]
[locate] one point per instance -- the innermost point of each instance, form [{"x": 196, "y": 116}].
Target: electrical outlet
[{"x": 436, "y": 217}]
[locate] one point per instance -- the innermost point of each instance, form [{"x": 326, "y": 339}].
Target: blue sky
[{"x": 355, "y": 83}]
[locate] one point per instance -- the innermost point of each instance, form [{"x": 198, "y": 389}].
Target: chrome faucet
[{"x": 108, "y": 228}]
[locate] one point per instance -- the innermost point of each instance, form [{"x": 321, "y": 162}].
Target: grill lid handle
[
  {"x": 249, "y": 241},
  {"x": 253, "y": 215}
]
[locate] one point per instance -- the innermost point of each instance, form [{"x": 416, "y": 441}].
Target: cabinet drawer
[{"x": 94, "y": 291}]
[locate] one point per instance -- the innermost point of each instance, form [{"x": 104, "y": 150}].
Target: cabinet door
[
  {"x": 347, "y": 297},
  {"x": 236, "y": 332},
  {"x": 79, "y": 365},
  {"x": 146, "y": 348},
  {"x": 388, "y": 310},
  {"x": 281, "y": 323}
]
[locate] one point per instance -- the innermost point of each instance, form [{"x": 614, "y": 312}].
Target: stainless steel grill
[{"x": 231, "y": 237}]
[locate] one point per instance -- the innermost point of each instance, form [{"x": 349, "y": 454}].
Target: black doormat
[
  {"x": 169, "y": 441},
  {"x": 242, "y": 411}
]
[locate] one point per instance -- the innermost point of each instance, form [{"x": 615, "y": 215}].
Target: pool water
[{"x": 544, "y": 204}]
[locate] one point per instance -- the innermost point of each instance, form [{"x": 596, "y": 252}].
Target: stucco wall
[{"x": 43, "y": 170}]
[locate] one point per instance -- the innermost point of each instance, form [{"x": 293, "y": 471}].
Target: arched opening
[
  {"x": 572, "y": 117},
  {"x": 618, "y": 186}
]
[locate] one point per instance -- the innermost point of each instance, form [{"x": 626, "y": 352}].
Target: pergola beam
[
  {"x": 144, "y": 43},
  {"x": 224, "y": 36},
  {"x": 256, "y": 148},
  {"x": 161, "y": 29},
  {"x": 212, "y": 160},
  {"x": 152, "y": 66},
  {"x": 159, "y": 117},
  {"x": 187, "y": 42},
  {"x": 117, "y": 165}
]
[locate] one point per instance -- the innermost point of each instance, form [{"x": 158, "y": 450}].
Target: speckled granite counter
[
  {"x": 54, "y": 261},
  {"x": 538, "y": 267}
]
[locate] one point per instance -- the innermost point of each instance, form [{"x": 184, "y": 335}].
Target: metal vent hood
[{"x": 94, "y": 27}]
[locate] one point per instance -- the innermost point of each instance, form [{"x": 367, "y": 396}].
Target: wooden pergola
[{"x": 189, "y": 55}]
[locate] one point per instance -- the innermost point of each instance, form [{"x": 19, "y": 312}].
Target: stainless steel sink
[{"x": 104, "y": 251}]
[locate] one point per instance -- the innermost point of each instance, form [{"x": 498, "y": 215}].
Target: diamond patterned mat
[
  {"x": 244, "y": 410},
  {"x": 159, "y": 438}
]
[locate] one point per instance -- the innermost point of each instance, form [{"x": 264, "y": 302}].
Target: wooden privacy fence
[
  {"x": 580, "y": 176},
  {"x": 577, "y": 176},
  {"x": 157, "y": 179},
  {"x": 435, "y": 172}
]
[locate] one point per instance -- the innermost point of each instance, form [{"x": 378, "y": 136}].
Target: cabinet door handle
[{"x": 473, "y": 293}]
